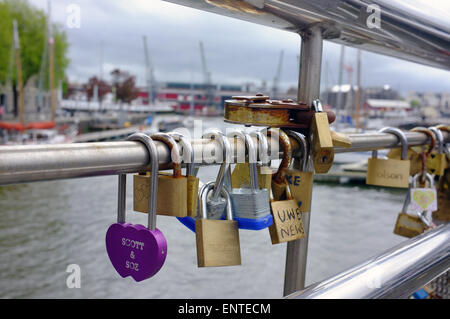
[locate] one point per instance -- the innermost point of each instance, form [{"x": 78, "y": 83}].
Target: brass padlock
[
  {"x": 322, "y": 144},
  {"x": 408, "y": 225},
  {"x": 437, "y": 160},
  {"x": 217, "y": 240},
  {"x": 172, "y": 189},
  {"x": 443, "y": 198},
  {"x": 192, "y": 180},
  {"x": 300, "y": 180},
  {"x": 287, "y": 217},
  {"x": 389, "y": 172},
  {"x": 287, "y": 220}
]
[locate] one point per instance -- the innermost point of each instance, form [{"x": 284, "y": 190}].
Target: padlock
[
  {"x": 287, "y": 217},
  {"x": 437, "y": 161},
  {"x": 215, "y": 202},
  {"x": 406, "y": 224},
  {"x": 389, "y": 172},
  {"x": 422, "y": 198},
  {"x": 172, "y": 188},
  {"x": 300, "y": 180},
  {"x": 322, "y": 144},
  {"x": 217, "y": 240},
  {"x": 136, "y": 250},
  {"x": 249, "y": 202},
  {"x": 424, "y": 154},
  {"x": 443, "y": 197},
  {"x": 192, "y": 180}
]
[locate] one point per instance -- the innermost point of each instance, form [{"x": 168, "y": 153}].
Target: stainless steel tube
[
  {"x": 415, "y": 31},
  {"x": 29, "y": 163},
  {"x": 397, "y": 273},
  {"x": 308, "y": 91}
]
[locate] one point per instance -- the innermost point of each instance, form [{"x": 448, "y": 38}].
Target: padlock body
[
  {"x": 322, "y": 150},
  {"x": 436, "y": 163},
  {"x": 217, "y": 243},
  {"x": 443, "y": 206},
  {"x": 422, "y": 199},
  {"x": 240, "y": 177},
  {"x": 408, "y": 226},
  {"x": 415, "y": 161},
  {"x": 300, "y": 186},
  {"x": 135, "y": 250},
  {"x": 247, "y": 203},
  {"x": 172, "y": 195},
  {"x": 192, "y": 195},
  {"x": 388, "y": 172},
  {"x": 287, "y": 222}
]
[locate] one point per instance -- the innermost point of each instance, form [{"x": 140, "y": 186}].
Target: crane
[
  {"x": 209, "y": 93},
  {"x": 150, "y": 77},
  {"x": 276, "y": 79}
]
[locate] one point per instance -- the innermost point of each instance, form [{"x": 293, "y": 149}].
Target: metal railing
[
  {"x": 31, "y": 163},
  {"x": 396, "y": 273}
]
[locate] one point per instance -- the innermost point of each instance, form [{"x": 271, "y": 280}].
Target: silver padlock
[
  {"x": 250, "y": 202},
  {"x": 215, "y": 202}
]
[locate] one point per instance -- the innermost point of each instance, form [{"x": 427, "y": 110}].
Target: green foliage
[
  {"x": 415, "y": 103},
  {"x": 32, "y": 27}
]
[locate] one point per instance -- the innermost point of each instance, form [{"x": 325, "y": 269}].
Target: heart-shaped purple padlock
[{"x": 135, "y": 250}]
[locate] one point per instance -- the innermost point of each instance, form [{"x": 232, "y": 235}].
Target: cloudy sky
[{"x": 236, "y": 51}]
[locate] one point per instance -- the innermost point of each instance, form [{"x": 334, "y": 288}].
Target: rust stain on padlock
[
  {"x": 285, "y": 143},
  {"x": 259, "y": 110},
  {"x": 175, "y": 165}
]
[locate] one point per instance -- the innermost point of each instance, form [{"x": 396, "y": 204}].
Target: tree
[
  {"x": 102, "y": 88},
  {"x": 125, "y": 86},
  {"x": 32, "y": 27}
]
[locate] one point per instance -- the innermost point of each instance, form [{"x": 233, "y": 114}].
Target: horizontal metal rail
[
  {"x": 22, "y": 163},
  {"x": 397, "y": 273},
  {"x": 415, "y": 32}
]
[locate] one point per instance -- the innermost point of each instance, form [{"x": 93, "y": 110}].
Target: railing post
[{"x": 308, "y": 90}]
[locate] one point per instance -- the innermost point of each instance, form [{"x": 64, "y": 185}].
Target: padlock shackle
[
  {"x": 317, "y": 106},
  {"x": 301, "y": 140},
  {"x": 154, "y": 166},
  {"x": 408, "y": 197},
  {"x": 174, "y": 151},
  {"x": 263, "y": 146},
  {"x": 430, "y": 134},
  {"x": 122, "y": 195},
  {"x": 439, "y": 138},
  {"x": 252, "y": 155},
  {"x": 427, "y": 176},
  {"x": 203, "y": 197},
  {"x": 226, "y": 159},
  {"x": 188, "y": 151},
  {"x": 283, "y": 139},
  {"x": 400, "y": 135}
]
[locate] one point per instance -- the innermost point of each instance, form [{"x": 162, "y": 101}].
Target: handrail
[
  {"x": 396, "y": 273},
  {"x": 29, "y": 163},
  {"x": 419, "y": 34}
]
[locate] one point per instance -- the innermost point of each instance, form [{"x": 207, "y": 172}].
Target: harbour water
[{"x": 47, "y": 226}]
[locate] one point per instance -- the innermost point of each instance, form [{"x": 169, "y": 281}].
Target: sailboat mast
[
  {"x": 358, "y": 92},
  {"x": 51, "y": 62},
  {"x": 19, "y": 72}
]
